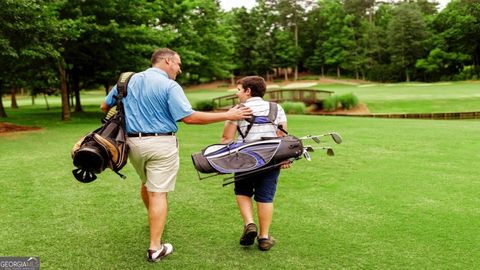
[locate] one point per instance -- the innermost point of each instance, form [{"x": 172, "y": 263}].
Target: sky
[{"x": 229, "y": 4}]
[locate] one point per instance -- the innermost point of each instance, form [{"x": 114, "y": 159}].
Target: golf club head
[
  {"x": 307, "y": 156},
  {"x": 330, "y": 152},
  {"x": 316, "y": 139},
  {"x": 336, "y": 137},
  {"x": 308, "y": 148},
  {"x": 84, "y": 176}
]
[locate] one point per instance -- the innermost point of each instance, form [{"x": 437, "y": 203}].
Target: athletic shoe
[
  {"x": 249, "y": 234},
  {"x": 265, "y": 244},
  {"x": 157, "y": 255}
]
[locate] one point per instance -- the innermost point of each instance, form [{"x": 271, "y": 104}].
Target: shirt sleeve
[
  {"x": 178, "y": 103},
  {"x": 232, "y": 122},
  {"x": 281, "y": 116},
  {"x": 110, "y": 98}
]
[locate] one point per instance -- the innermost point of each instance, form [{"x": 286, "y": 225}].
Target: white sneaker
[{"x": 157, "y": 255}]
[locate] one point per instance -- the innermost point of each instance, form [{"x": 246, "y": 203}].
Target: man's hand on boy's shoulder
[{"x": 239, "y": 113}]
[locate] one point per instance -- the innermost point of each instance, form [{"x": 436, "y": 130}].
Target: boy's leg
[
  {"x": 244, "y": 192},
  {"x": 265, "y": 213},
  {"x": 246, "y": 208},
  {"x": 264, "y": 194}
]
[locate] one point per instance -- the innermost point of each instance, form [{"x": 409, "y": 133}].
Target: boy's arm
[
  {"x": 284, "y": 127},
  {"x": 282, "y": 134},
  {"x": 229, "y": 131}
]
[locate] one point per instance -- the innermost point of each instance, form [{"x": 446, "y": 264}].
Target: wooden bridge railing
[{"x": 307, "y": 96}]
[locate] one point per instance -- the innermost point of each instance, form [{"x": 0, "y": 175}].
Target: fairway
[
  {"x": 398, "y": 194},
  {"x": 413, "y": 97}
]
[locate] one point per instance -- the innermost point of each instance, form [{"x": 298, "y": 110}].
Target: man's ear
[{"x": 248, "y": 91}]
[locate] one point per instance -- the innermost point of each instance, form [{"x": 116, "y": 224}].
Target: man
[
  {"x": 261, "y": 186},
  {"x": 153, "y": 105}
]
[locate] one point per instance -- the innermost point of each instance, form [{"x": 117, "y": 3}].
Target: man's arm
[
  {"x": 110, "y": 99},
  {"x": 104, "y": 107},
  {"x": 201, "y": 118}
]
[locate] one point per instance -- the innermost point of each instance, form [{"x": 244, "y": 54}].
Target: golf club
[{"x": 335, "y": 136}]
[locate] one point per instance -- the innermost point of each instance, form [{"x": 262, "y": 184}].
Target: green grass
[
  {"x": 414, "y": 97},
  {"x": 399, "y": 194}
]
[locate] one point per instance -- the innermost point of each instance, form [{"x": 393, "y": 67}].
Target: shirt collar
[
  {"x": 253, "y": 99},
  {"x": 155, "y": 69}
]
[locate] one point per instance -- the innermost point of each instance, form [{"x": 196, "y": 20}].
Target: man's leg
[
  {"x": 144, "y": 195},
  {"x": 265, "y": 213},
  {"x": 157, "y": 215},
  {"x": 246, "y": 208}
]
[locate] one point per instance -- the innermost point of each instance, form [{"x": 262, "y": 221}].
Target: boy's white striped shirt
[{"x": 260, "y": 107}]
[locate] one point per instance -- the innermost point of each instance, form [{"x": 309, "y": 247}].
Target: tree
[
  {"x": 339, "y": 40},
  {"x": 289, "y": 16},
  {"x": 459, "y": 26},
  {"x": 115, "y": 36},
  {"x": 27, "y": 29},
  {"x": 407, "y": 32},
  {"x": 286, "y": 52}
]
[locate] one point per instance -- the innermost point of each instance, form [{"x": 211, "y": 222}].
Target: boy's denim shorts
[{"x": 261, "y": 185}]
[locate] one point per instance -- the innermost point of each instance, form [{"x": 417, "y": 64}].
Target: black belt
[{"x": 141, "y": 134}]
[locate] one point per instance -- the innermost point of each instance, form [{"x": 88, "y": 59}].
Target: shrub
[
  {"x": 348, "y": 101},
  {"x": 330, "y": 103},
  {"x": 204, "y": 105},
  {"x": 294, "y": 107}
]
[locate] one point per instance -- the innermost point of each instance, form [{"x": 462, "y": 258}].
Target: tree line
[{"x": 64, "y": 46}]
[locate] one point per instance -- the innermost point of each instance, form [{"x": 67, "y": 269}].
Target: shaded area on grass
[{"x": 6, "y": 127}]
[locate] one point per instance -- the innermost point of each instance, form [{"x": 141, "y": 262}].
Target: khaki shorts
[{"x": 155, "y": 158}]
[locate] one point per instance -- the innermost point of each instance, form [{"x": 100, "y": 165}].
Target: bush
[
  {"x": 331, "y": 103},
  {"x": 348, "y": 101},
  {"x": 204, "y": 105},
  {"x": 294, "y": 107}
]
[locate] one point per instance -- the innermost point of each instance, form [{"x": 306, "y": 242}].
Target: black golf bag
[{"x": 105, "y": 147}]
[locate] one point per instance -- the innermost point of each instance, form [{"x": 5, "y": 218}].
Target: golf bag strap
[
  {"x": 250, "y": 125},
  {"x": 122, "y": 84},
  {"x": 273, "y": 111},
  {"x": 272, "y": 115}
]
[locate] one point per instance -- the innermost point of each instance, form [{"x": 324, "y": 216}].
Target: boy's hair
[
  {"x": 256, "y": 84},
  {"x": 162, "y": 53}
]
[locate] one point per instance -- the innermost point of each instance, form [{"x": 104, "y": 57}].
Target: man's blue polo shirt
[{"x": 154, "y": 103}]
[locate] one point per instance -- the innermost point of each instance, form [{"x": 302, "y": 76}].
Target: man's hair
[
  {"x": 162, "y": 53},
  {"x": 256, "y": 84}
]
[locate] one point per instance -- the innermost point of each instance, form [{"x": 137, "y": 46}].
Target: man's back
[{"x": 154, "y": 103}]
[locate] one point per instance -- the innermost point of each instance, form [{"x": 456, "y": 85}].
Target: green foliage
[
  {"x": 345, "y": 101},
  {"x": 204, "y": 105},
  {"x": 406, "y": 33},
  {"x": 294, "y": 107},
  {"x": 348, "y": 101},
  {"x": 330, "y": 103}
]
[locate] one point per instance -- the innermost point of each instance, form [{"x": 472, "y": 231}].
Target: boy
[{"x": 261, "y": 186}]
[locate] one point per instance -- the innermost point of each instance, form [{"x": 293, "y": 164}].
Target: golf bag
[
  {"x": 246, "y": 157},
  {"x": 105, "y": 147}
]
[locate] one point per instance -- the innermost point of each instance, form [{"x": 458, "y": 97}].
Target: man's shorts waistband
[{"x": 142, "y": 134}]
